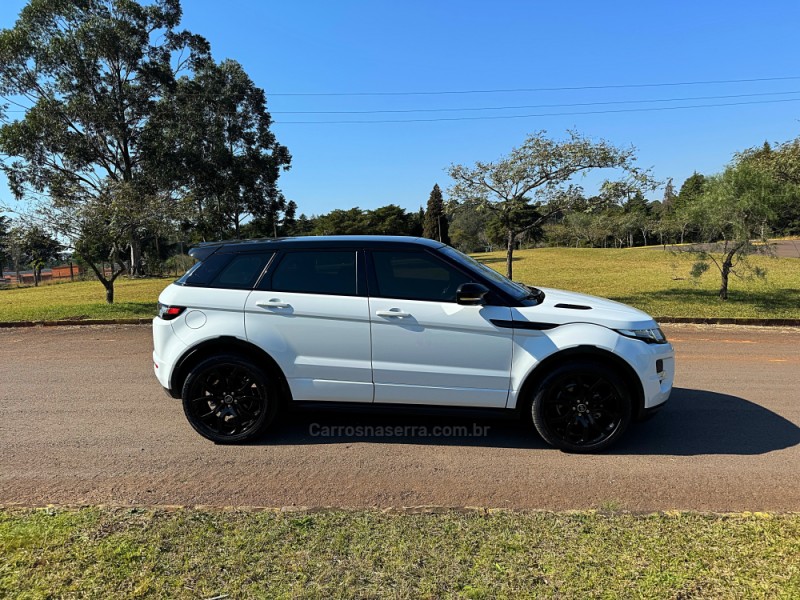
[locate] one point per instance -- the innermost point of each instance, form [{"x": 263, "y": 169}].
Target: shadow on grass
[
  {"x": 777, "y": 299},
  {"x": 693, "y": 422},
  {"x": 494, "y": 260}
]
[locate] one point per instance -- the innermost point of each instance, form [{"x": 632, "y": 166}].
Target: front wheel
[
  {"x": 581, "y": 407},
  {"x": 227, "y": 399}
]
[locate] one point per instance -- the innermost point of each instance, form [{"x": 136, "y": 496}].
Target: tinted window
[
  {"x": 416, "y": 276},
  {"x": 203, "y": 273},
  {"x": 242, "y": 272},
  {"x": 235, "y": 271},
  {"x": 313, "y": 272}
]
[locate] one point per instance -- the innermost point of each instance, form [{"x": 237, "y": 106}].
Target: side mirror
[{"x": 471, "y": 294}]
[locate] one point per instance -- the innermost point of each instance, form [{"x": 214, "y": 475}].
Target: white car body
[{"x": 373, "y": 349}]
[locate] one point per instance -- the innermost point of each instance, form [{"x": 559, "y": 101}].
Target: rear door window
[{"x": 315, "y": 272}]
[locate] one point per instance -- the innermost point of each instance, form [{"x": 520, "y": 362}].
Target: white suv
[{"x": 256, "y": 325}]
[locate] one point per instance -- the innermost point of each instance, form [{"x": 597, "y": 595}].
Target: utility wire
[
  {"x": 541, "y": 89},
  {"x": 429, "y": 110},
  {"x": 557, "y": 114}
]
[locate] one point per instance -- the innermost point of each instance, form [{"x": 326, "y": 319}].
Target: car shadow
[
  {"x": 702, "y": 422},
  {"x": 693, "y": 422}
]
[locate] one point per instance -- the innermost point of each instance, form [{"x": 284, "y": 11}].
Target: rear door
[
  {"x": 426, "y": 348},
  {"x": 311, "y": 314}
]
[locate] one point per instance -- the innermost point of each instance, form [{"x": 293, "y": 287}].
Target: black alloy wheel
[
  {"x": 227, "y": 399},
  {"x": 581, "y": 407}
]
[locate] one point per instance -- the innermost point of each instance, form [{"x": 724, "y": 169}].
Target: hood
[{"x": 561, "y": 307}]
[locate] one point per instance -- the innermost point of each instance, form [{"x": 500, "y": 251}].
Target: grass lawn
[
  {"x": 81, "y": 300},
  {"x": 658, "y": 282},
  {"x": 117, "y": 553}
]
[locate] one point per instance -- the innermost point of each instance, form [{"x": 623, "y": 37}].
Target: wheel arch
[
  {"x": 221, "y": 345},
  {"x": 619, "y": 364}
]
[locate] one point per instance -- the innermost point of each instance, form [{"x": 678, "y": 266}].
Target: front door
[{"x": 426, "y": 348}]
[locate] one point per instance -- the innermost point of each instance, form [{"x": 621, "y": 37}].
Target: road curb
[
  {"x": 74, "y": 322},
  {"x": 731, "y": 321},
  {"x": 668, "y": 320}
]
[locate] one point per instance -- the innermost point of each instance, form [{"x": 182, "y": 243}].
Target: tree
[
  {"x": 467, "y": 229},
  {"x": 214, "y": 130},
  {"x": 5, "y": 225},
  {"x": 782, "y": 163},
  {"x": 385, "y": 220},
  {"x": 733, "y": 212},
  {"x": 690, "y": 191},
  {"x": 38, "y": 250},
  {"x": 88, "y": 75},
  {"x": 669, "y": 195},
  {"x": 535, "y": 176},
  {"x": 435, "y": 223}
]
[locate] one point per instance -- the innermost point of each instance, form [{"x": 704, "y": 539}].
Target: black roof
[{"x": 201, "y": 251}]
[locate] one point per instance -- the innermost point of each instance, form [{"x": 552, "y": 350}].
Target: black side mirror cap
[{"x": 471, "y": 294}]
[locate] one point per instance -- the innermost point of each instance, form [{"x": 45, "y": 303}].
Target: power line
[
  {"x": 557, "y": 114},
  {"x": 429, "y": 110},
  {"x": 542, "y": 89}
]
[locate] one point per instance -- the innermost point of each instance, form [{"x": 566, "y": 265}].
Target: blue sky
[{"x": 376, "y": 46}]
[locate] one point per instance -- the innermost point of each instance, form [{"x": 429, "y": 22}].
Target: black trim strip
[
  {"x": 523, "y": 325},
  {"x": 574, "y": 306}
]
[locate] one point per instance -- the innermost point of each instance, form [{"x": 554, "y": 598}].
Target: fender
[{"x": 217, "y": 345}]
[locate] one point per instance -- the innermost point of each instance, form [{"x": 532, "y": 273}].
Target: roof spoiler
[{"x": 202, "y": 252}]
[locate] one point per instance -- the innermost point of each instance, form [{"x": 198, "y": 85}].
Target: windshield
[{"x": 517, "y": 290}]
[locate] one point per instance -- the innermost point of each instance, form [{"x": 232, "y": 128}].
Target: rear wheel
[
  {"x": 581, "y": 407},
  {"x": 228, "y": 399}
]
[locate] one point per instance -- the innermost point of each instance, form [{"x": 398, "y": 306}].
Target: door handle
[
  {"x": 394, "y": 312},
  {"x": 273, "y": 303}
]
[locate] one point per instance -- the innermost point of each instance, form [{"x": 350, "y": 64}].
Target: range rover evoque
[{"x": 257, "y": 325}]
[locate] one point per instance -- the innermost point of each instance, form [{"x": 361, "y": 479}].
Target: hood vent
[{"x": 574, "y": 306}]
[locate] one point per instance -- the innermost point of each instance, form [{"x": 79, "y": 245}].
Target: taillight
[{"x": 168, "y": 313}]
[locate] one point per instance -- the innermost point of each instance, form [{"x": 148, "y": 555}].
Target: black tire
[
  {"x": 581, "y": 407},
  {"x": 229, "y": 400}
]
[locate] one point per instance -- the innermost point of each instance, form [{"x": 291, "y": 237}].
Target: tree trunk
[
  {"x": 135, "y": 268},
  {"x": 109, "y": 285},
  {"x": 727, "y": 265},
  {"x": 509, "y": 254},
  {"x": 723, "y": 288}
]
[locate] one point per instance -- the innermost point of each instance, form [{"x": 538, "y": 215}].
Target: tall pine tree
[{"x": 435, "y": 227}]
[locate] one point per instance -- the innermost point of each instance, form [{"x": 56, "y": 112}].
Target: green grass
[
  {"x": 658, "y": 282},
  {"x": 105, "y": 553},
  {"x": 81, "y": 300}
]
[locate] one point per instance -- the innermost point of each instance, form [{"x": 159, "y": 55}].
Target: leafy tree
[
  {"x": 214, "y": 130},
  {"x": 88, "y": 74},
  {"x": 31, "y": 246},
  {"x": 735, "y": 209},
  {"x": 467, "y": 230},
  {"x": 534, "y": 176},
  {"x": 386, "y": 220},
  {"x": 39, "y": 249},
  {"x": 782, "y": 163},
  {"x": 681, "y": 217},
  {"x": 5, "y": 225},
  {"x": 669, "y": 195},
  {"x": 435, "y": 223}
]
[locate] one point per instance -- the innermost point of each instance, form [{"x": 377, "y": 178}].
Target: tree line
[{"x": 126, "y": 141}]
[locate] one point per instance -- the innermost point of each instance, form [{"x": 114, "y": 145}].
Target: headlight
[{"x": 651, "y": 336}]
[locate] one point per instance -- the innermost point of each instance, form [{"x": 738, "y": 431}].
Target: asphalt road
[{"x": 85, "y": 422}]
